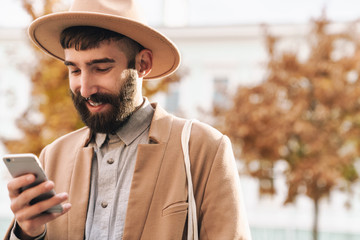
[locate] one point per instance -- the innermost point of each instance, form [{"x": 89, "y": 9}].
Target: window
[
  {"x": 220, "y": 97},
  {"x": 172, "y": 98}
]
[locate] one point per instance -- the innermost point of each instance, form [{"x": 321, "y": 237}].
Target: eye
[
  {"x": 75, "y": 71},
  {"x": 103, "y": 69}
]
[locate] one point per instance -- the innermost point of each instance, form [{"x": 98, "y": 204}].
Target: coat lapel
[
  {"x": 79, "y": 190},
  {"x": 147, "y": 168}
]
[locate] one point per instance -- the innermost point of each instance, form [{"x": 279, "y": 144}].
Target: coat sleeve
[{"x": 222, "y": 212}]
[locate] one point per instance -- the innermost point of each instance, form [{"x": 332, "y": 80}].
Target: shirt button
[
  {"x": 110, "y": 161},
  {"x": 104, "y": 204}
]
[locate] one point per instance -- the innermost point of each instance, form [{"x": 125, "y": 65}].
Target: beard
[{"x": 121, "y": 107}]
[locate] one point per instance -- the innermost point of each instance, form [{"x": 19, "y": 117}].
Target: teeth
[{"x": 94, "y": 104}]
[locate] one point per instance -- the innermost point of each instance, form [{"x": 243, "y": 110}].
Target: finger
[
  {"x": 42, "y": 219},
  {"x": 26, "y": 196},
  {"x": 38, "y": 209},
  {"x": 47, "y": 217},
  {"x": 15, "y": 184}
]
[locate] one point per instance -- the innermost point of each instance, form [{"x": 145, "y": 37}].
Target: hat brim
[{"x": 45, "y": 33}]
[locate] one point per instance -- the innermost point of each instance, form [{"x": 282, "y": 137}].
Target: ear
[{"x": 143, "y": 63}]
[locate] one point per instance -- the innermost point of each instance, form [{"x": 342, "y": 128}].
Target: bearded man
[{"x": 123, "y": 175}]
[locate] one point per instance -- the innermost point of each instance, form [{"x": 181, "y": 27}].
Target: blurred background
[{"x": 279, "y": 77}]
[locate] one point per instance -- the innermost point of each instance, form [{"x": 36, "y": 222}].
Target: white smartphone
[{"x": 20, "y": 164}]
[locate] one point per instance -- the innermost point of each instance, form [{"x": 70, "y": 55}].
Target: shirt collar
[{"x": 138, "y": 122}]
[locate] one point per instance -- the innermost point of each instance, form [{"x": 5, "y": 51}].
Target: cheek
[
  {"x": 73, "y": 85},
  {"x": 118, "y": 84},
  {"x": 114, "y": 83}
]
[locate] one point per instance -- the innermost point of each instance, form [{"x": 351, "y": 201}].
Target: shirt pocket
[{"x": 175, "y": 208}]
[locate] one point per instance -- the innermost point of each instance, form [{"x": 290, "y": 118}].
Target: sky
[{"x": 215, "y": 12}]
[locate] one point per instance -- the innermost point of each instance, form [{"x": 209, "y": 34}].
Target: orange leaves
[
  {"x": 305, "y": 113},
  {"x": 152, "y": 87}
]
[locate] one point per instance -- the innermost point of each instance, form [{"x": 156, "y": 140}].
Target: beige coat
[{"x": 157, "y": 207}]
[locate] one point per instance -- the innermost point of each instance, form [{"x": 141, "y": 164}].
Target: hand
[{"x": 31, "y": 218}]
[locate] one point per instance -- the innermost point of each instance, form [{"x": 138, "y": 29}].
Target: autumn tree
[
  {"x": 305, "y": 113},
  {"x": 50, "y": 94}
]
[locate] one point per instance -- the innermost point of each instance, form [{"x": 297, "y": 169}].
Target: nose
[{"x": 88, "y": 85}]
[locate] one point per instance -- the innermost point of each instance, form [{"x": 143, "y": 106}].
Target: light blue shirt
[{"x": 111, "y": 175}]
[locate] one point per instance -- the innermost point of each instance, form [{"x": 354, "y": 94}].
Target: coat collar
[
  {"x": 147, "y": 169},
  {"x": 160, "y": 125}
]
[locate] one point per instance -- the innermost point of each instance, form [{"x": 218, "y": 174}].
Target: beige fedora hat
[{"x": 116, "y": 15}]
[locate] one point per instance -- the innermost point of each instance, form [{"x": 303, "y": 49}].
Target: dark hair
[{"x": 89, "y": 37}]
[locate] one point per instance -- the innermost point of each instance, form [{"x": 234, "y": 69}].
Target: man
[{"x": 123, "y": 176}]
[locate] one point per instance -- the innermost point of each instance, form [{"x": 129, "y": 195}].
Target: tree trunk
[{"x": 316, "y": 219}]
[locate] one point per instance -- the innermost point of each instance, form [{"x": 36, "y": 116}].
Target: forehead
[{"x": 107, "y": 49}]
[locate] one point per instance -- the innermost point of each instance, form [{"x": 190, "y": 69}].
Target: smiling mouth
[{"x": 94, "y": 104}]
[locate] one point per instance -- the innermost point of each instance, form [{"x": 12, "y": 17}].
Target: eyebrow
[{"x": 92, "y": 62}]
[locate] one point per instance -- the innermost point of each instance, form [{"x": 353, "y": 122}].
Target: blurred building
[{"x": 215, "y": 61}]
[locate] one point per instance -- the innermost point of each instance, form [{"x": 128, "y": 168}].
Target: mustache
[{"x": 96, "y": 97}]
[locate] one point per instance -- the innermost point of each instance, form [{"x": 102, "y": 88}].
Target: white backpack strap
[{"x": 192, "y": 219}]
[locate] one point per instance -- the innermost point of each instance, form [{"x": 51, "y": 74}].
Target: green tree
[
  {"x": 305, "y": 113},
  {"x": 50, "y": 95}
]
